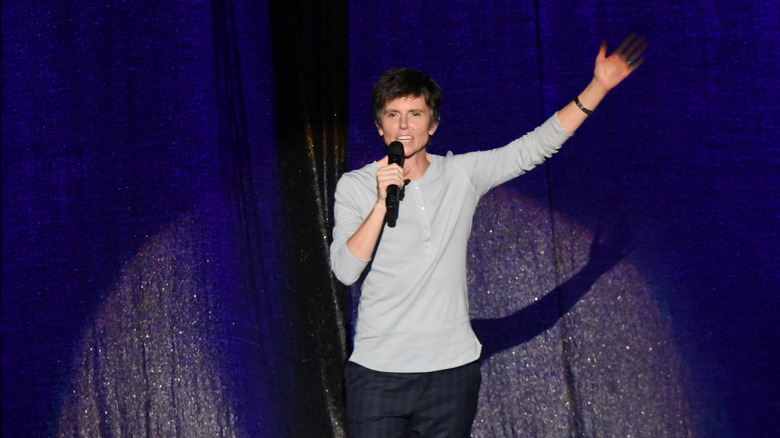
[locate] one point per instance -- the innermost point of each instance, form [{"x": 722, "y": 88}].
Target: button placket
[{"x": 425, "y": 223}]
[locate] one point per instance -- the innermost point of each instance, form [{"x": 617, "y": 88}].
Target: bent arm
[
  {"x": 362, "y": 243},
  {"x": 348, "y": 217},
  {"x": 356, "y": 229}
]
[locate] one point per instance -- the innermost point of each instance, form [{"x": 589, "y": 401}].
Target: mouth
[{"x": 404, "y": 138}]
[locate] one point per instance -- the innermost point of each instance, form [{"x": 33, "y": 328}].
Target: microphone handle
[{"x": 391, "y": 201}]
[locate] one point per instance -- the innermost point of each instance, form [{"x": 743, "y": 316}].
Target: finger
[
  {"x": 391, "y": 170},
  {"x": 635, "y": 65},
  {"x": 390, "y": 180},
  {"x": 636, "y": 53},
  {"x": 625, "y": 44},
  {"x": 635, "y": 56},
  {"x": 636, "y": 49},
  {"x": 390, "y": 175},
  {"x": 602, "y": 50}
]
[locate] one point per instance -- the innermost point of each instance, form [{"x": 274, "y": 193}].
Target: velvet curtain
[
  {"x": 167, "y": 181},
  {"x": 167, "y": 173}
]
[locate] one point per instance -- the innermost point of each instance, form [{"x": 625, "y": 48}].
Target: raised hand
[{"x": 611, "y": 70}]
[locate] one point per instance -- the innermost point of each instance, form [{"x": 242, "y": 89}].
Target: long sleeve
[
  {"x": 413, "y": 314},
  {"x": 353, "y": 195},
  {"x": 488, "y": 169}
]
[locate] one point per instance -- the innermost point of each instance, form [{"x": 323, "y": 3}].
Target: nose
[{"x": 403, "y": 121}]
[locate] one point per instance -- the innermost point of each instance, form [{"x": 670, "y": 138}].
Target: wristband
[{"x": 585, "y": 110}]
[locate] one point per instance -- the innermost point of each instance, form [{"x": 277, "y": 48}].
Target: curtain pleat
[
  {"x": 168, "y": 171},
  {"x": 310, "y": 41}
]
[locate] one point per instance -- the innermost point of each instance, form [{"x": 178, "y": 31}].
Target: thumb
[{"x": 603, "y": 50}]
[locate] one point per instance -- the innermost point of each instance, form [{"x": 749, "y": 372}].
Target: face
[{"x": 408, "y": 120}]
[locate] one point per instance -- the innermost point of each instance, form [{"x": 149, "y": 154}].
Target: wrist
[
  {"x": 590, "y": 97},
  {"x": 582, "y": 107},
  {"x": 595, "y": 90},
  {"x": 380, "y": 206}
]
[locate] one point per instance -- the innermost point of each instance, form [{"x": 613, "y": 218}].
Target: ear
[
  {"x": 432, "y": 128},
  {"x": 379, "y": 128}
]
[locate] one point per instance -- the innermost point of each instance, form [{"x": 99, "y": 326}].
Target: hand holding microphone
[{"x": 395, "y": 155}]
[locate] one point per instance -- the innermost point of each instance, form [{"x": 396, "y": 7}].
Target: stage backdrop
[{"x": 167, "y": 180}]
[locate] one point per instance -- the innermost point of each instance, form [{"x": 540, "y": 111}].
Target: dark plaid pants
[{"x": 398, "y": 405}]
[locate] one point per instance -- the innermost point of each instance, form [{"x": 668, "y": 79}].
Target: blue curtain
[
  {"x": 167, "y": 180},
  {"x": 165, "y": 219}
]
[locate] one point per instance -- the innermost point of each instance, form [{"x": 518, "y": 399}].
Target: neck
[{"x": 417, "y": 165}]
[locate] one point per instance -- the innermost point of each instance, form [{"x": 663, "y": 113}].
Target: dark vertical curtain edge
[{"x": 310, "y": 47}]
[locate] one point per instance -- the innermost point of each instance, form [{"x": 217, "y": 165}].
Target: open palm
[{"x": 611, "y": 70}]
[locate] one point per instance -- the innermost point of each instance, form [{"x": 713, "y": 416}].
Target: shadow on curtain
[{"x": 167, "y": 171}]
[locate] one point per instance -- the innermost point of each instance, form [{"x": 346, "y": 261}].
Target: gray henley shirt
[{"x": 413, "y": 314}]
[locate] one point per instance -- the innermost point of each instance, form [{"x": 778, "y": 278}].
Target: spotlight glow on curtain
[{"x": 167, "y": 173}]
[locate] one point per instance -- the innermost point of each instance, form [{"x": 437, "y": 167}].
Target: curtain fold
[
  {"x": 310, "y": 41},
  {"x": 167, "y": 179},
  {"x": 175, "y": 166}
]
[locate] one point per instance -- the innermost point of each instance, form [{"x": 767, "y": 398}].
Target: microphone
[{"x": 395, "y": 155}]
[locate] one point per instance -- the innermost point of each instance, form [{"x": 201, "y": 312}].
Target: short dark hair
[{"x": 402, "y": 82}]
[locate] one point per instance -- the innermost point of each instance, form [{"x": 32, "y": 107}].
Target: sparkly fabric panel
[
  {"x": 149, "y": 363},
  {"x": 310, "y": 66},
  {"x": 167, "y": 173},
  {"x": 573, "y": 342},
  {"x": 144, "y": 292}
]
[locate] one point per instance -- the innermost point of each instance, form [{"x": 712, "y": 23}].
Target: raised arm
[{"x": 608, "y": 73}]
